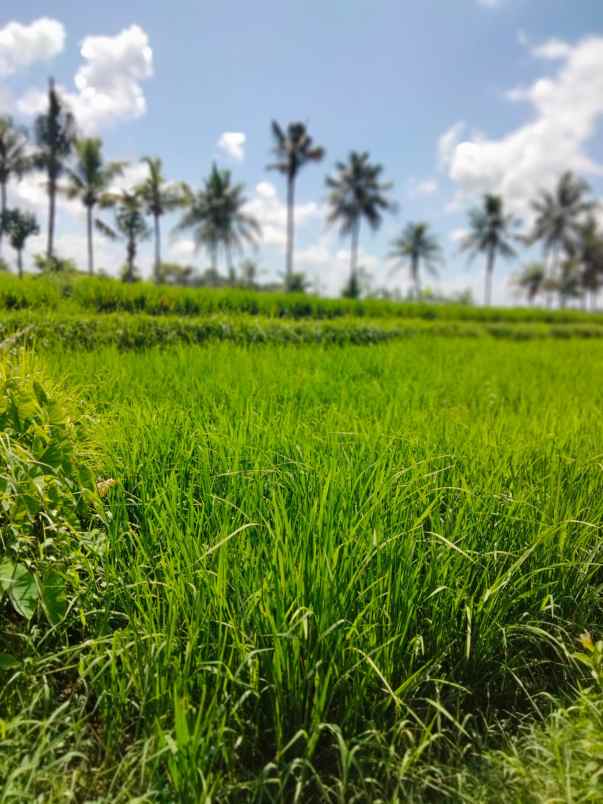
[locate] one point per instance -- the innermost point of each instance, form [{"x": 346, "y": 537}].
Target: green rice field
[{"x": 304, "y": 573}]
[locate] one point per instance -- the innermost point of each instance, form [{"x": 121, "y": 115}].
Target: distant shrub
[{"x": 55, "y": 265}]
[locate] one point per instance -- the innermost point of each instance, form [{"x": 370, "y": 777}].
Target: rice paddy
[{"x": 324, "y": 574}]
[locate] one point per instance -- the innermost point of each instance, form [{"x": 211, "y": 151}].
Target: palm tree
[
  {"x": 55, "y": 137},
  {"x": 569, "y": 284},
  {"x": 590, "y": 254},
  {"x": 417, "y": 245},
  {"x": 217, "y": 217},
  {"x": 130, "y": 226},
  {"x": 489, "y": 234},
  {"x": 558, "y": 215},
  {"x": 293, "y": 149},
  {"x": 159, "y": 197},
  {"x": 19, "y": 226},
  {"x": 357, "y": 193},
  {"x": 90, "y": 181},
  {"x": 14, "y": 160},
  {"x": 531, "y": 280}
]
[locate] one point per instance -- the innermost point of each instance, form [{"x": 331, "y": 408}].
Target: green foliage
[
  {"x": 558, "y": 759},
  {"x": 296, "y": 282},
  {"x": 46, "y": 494},
  {"x": 19, "y": 226},
  {"x": 337, "y": 571},
  {"x": 55, "y": 135},
  {"x": 55, "y": 265},
  {"x": 351, "y": 288},
  {"x": 73, "y": 292},
  {"x": 173, "y": 273},
  {"x": 334, "y": 575},
  {"x": 216, "y": 214},
  {"x": 142, "y": 331},
  {"x": 417, "y": 246}
]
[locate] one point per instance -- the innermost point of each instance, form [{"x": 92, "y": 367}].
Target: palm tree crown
[
  {"x": 417, "y": 245},
  {"x": 130, "y": 226},
  {"x": 217, "y": 216},
  {"x": 490, "y": 234},
  {"x": 356, "y": 192},
  {"x": 90, "y": 180},
  {"x": 531, "y": 280},
  {"x": 558, "y": 214},
  {"x": 159, "y": 197},
  {"x": 55, "y": 136},
  {"x": 14, "y": 160},
  {"x": 293, "y": 149},
  {"x": 590, "y": 254},
  {"x": 19, "y": 226}
]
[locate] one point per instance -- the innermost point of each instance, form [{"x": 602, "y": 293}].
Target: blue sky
[{"x": 454, "y": 97}]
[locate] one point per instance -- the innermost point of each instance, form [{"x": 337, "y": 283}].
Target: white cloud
[
  {"x": 448, "y": 142},
  {"x": 30, "y": 193},
  {"x": 490, "y": 3},
  {"x": 426, "y": 187},
  {"x": 271, "y": 213},
  {"x": 327, "y": 262},
  {"x": 182, "y": 249},
  {"x": 5, "y": 100},
  {"x": 232, "y": 143},
  {"x": 565, "y": 109},
  {"x": 133, "y": 174},
  {"x": 552, "y": 49},
  {"x": 108, "y": 83},
  {"x": 457, "y": 235},
  {"x": 22, "y": 45}
]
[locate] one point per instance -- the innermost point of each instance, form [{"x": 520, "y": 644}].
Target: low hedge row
[
  {"x": 91, "y": 294},
  {"x": 144, "y": 331}
]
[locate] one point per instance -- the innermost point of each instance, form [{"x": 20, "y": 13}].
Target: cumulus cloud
[
  {"x": 181, "y": 249},
  {"x": 448, "y": 141},
  {"x": 232, "y": 143},
  {"x": 30, "y": 193},
  {"x": 271, "y": 213},
  {"x": 552, "y": 49},
  {"x": 458, "y": 235},
  {"x": 22, "y": 45},
  {"x": 133, "y": 174},
  {"x": 564, "y": 111},
  {"x": 108, "y": 83},
  {"x": 426, "y": 187},
  {"x": 327, "y": 262}
]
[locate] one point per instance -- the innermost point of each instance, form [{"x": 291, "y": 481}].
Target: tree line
[{"x": 217, "y": 216}]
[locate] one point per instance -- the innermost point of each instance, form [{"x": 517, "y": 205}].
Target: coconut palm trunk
[
  {"x": 131, "y": 258},
  {"x": 553, "y": 267},
  {"x": 52, "y": 197},
  {"x": 290, "y": 228},
  {"x": 157, "y": 248},
  {"x": 20, "y": 262},
  {"x": 489, "y": 273},
  {"x": 415, "y": 276},
  {"x": 90, "y": 240},
  {"x": 2, "y": 211},
  {"x": 354, "y": 250}
]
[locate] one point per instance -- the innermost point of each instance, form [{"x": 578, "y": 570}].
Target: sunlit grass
[{"x": 331, "y": 574}]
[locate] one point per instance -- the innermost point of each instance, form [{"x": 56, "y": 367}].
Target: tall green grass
[{"x": 332, "y": 574}]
